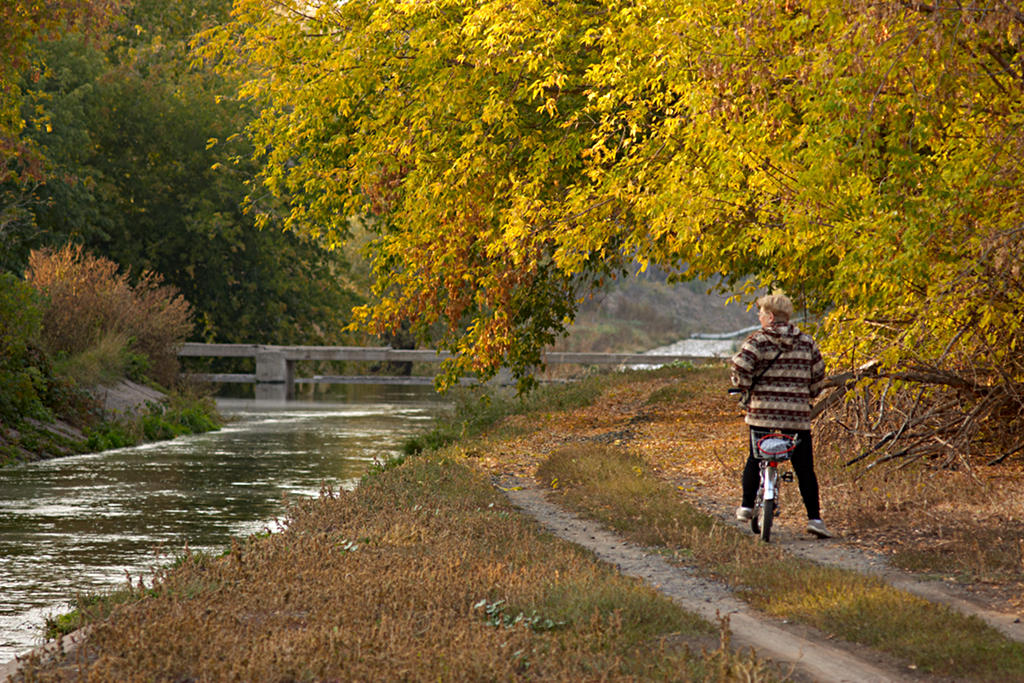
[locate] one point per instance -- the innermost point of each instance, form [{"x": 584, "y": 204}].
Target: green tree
[
  {"x": 24, "y": 23},
  {"x": 147, "y": 169}
]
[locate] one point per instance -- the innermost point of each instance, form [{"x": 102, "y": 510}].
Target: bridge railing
[{"x": 275, "y": 365}]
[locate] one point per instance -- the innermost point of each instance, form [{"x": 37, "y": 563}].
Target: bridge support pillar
[{"x": 275, "y": 375}]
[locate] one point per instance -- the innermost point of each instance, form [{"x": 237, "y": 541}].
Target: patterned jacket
[{"x": 781, "y": 397}]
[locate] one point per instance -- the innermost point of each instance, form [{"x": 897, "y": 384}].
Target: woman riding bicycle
[{"x": 780, "y": 371}]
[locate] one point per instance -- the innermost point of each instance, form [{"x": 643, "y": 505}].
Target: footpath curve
[{"x": 785, "y": 643}]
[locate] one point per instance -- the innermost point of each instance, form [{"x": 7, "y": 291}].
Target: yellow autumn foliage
[{"x": 863, "y": 156}]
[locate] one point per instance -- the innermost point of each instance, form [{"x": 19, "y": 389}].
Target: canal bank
[
  {"x": 81, "y": 524},
  {"x": 424, "y": 571},
  {"x": 105, "y": 416}
]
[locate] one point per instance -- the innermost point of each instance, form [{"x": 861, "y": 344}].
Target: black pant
[{"x": 803, "y": 465}]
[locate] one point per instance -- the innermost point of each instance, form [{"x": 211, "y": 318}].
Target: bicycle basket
[{"x": 773, "y": 445}]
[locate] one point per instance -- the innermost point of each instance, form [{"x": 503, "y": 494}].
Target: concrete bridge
[{"x": 275, "y": 378}]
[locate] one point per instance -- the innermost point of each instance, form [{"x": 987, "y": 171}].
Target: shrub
[
  {"x": 195, "y": 414},
  {"x": 108, "y": 435},
  {"x": 22, "y": 383},
  {"x": 182, "y": 414},
  {"x": 89, "y": 300}
]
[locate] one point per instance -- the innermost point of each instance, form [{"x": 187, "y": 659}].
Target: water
[{"x": 80, "y": 524}]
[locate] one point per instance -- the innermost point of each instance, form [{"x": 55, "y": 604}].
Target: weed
[
  {"x": 182, "y": 414},
  {"x": 496, "y": 614},
  {"x": 72, "y": 403},
  {"x": 103, "y": 362},
  {"x": 88, "y": 609},
  {"x": 673, "y": 393},
  {"x": 108, "y": 435},
  {"x": 197, "y": 413},
  {"x": 9, "y": 455},
  {"x": 379, "y": 467}
]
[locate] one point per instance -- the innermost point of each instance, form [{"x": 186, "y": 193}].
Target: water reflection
[{"x": 79, "y": 524}]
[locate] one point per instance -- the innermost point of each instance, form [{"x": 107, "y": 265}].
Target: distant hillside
[{"x": 643, "y": 312}]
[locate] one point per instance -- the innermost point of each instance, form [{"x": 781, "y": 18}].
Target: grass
[
  {"x": 966, "y": 524},
  {"x": 672, "y": 393},
  {"x": 105, "y": 362},
  {"x": 182, "y": 414},
  {"x": 620, "y": 490},
  {"x": 424, "y": 572},
  {"x": 477, "y": 410}
]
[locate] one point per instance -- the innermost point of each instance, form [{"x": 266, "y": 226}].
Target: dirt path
[
  {"x": 837, "y": 554},
  {"x": 780, "y": 641},
  {"x": 687, "y": 431}
]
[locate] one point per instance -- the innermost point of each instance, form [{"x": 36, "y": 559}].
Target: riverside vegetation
[
  {"x": 426, "y": 572},
  {"x": 75, "y": 324}
]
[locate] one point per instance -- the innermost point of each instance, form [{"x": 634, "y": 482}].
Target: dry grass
[
  {"x": 966, "y": 524},
  {"x": 423, "y": 573},
  {"x": 960, "y": 523},
  {"x": 104, "y": 362},
  {"x": 619, "y": 489}
]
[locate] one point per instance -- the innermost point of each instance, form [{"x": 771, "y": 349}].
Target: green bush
[
  {"x": 155, "y": 427},
  {"x": 22, "y": 382},
  {"x": 195, "y": 414},
  {"x": 182, "y": 414},
  {"x": 107, "y": 435}
]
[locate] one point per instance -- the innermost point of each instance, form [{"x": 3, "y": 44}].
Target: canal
[{"x": 82, "y": 524}]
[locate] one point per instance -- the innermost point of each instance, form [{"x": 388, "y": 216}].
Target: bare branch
[{"x": 1007, "y": 454}]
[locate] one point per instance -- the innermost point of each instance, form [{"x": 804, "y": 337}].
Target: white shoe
[
  {"x": 817, "y": 528},
  {"x": 744, "y": 514}
]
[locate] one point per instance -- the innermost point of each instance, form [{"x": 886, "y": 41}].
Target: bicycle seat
[{"x": 774, "y": 446}]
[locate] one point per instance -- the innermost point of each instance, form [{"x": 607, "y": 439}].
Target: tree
[
  {"x": 22, "y": 24},
  {"x": 863, "y": 156},
  {"x": 145, "y": 167}
]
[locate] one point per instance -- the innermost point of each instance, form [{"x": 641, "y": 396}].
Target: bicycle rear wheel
[{"x": 767, "y": 512}]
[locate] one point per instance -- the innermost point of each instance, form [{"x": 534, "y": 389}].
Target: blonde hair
[{"x": 778, "y": 305}]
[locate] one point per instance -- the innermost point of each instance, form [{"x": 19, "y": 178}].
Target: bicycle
[{"x": 770, "y": 450}]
